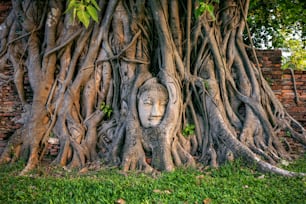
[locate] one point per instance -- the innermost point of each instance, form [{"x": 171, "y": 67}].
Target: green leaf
[
  {"x": 210, "y": 9},
  {"x": 84, "y": 17},
  {"x": 95, "y": 4},
  {"x": 92, "y": 12},
  {"x": 197, "y": 13},
  {"x": 203, "y": 7},
  {"x": 71, "y": 5},
  {"x": 102, "y": 105},
  {"x": 188, "y": 130},
  {"x": 74, "y": 15},
  {"x": 200, "y": 10},
  {"x": 109, "y": 113}
]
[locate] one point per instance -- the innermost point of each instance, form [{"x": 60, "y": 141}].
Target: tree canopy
[
  {"x": 279, "y": 24},
  {"x": 273, "y": 22}
]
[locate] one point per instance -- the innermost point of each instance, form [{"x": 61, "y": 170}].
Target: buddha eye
[
  {"x": 163, "y": 103},
  {"x": 147, "y": 102}
]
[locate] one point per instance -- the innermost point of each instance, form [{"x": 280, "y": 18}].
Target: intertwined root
[{"x": 85, "y": 84}]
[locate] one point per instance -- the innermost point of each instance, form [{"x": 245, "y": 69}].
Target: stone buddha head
[{"x": 152, "y": 103}]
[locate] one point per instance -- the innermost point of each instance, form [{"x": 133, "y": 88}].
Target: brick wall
[
  {"x": 7, "y": 110},
  {"x": 10, "y": 105},
  {"x": 288, "y": 97},
  {"x": 282, "y": 83}
]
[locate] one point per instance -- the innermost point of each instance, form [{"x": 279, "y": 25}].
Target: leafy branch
[
  {"x": 203, "y": 7},
  {"x": 84, "y": 10},
  {"x": 297, "y": 58}
]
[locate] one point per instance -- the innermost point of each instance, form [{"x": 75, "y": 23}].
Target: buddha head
[{"x": 152, "y": 102}]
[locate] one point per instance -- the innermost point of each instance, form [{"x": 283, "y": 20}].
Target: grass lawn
[{"x": 231, "y": 183}]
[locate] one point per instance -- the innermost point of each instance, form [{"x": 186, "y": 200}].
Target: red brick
[
  {"x": 276, "y": 76},
  {"x": 297, "y": 110},
  {"x": 275, "y": 87},
  {"x": 266, "y": 69},
  {"x": 299, "y": 83},
  {"x": 287, "y": 88},
  {"x": 286, "y": 76},
  {"x": 286, "y": 83},
  {"x": 277, "y": 66}
]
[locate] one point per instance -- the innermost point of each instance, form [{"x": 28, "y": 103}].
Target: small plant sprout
[
  {"x": 206, "y": 84},
  {"x": 106, "y": 109},
  {"x": 12, "y": 150},
  {"x": 188, "y": 130},
  {"x": 288, "y": 133},
  {"x": 269, "y": 80}
]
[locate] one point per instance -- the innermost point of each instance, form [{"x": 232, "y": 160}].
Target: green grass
[{"x": 231, "y": 183}]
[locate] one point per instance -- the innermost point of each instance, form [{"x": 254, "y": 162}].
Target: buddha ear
[
  {"x": 172, "y": 92},
  {"x": 171, "y": 84}
]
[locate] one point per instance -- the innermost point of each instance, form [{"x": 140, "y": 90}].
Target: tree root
[{"x": 75, "y": 73}]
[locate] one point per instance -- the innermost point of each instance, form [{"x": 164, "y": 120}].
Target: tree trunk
[{"x": 149, "y": 87}]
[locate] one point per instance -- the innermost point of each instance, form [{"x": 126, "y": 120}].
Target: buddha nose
[{"x": 156, "y": 110}]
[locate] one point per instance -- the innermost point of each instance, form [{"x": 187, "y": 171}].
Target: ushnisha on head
[{"x": 152, "y": 103}]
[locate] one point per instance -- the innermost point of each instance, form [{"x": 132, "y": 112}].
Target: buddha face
[{"x": 152, "y": 103}]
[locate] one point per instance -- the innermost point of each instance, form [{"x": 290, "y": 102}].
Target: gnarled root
[{"x": 12, "y": 150}]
